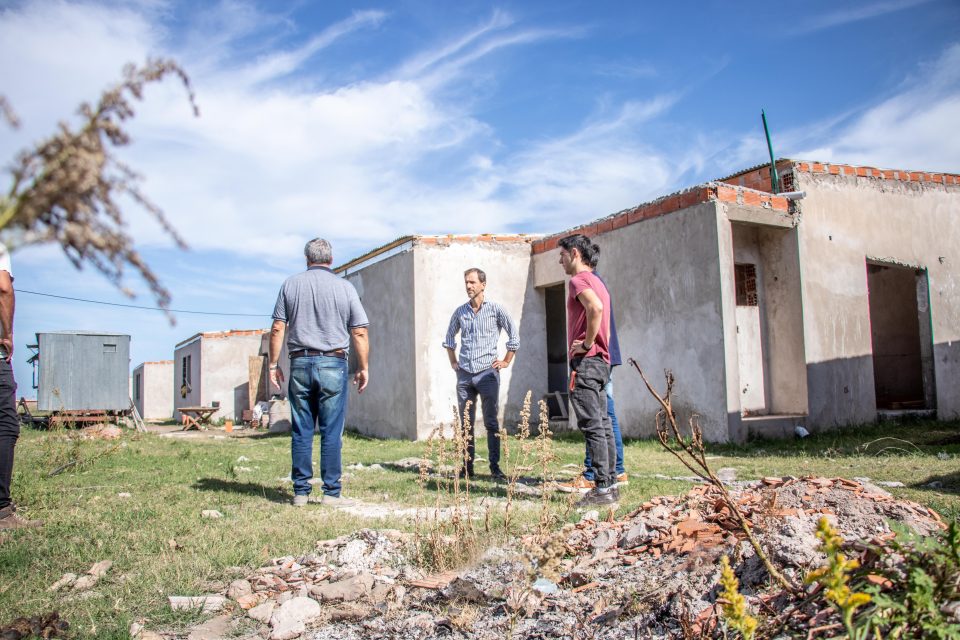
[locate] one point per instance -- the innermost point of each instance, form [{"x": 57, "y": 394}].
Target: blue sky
[{"x": 361, "y": 122}]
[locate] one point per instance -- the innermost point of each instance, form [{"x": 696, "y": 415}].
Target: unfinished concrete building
[
  {"x": 151, "y": 387},
  {"x": 831, "y": 309},
  {"x": 410, "y": 288},
  {"x": 212, "y": 369}
]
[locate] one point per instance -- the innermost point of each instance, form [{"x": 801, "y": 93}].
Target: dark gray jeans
[
  {"x": 590, "y": 402},
  {"x": 9, "y": 429},
  {"x": 485, "y": 384}
]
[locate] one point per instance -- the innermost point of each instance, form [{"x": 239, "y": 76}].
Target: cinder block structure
[
  {"x": 833, "y": 306},
  {"x": 151, "y": 387},
  {"x": 213, "y": 367}
]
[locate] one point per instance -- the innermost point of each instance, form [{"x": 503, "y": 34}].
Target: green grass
[{"x": 173, "y": 480}]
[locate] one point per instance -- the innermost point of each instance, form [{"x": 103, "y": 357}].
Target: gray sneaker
[
  {"x": 337, "y": 502},
  {"x": 300, "y": 500}
]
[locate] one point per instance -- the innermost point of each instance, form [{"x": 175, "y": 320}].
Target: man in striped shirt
[{"x": 478, "y": 368}]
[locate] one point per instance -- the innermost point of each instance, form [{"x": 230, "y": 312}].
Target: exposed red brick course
[{"x": 874, "y": 172}]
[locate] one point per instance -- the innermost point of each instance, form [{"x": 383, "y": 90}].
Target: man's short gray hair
[{"x": 318, "y": 251}]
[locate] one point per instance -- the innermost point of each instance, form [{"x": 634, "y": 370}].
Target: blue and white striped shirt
[{"x": 479, "y": 334}]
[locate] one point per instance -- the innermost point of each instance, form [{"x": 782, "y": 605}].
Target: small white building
[
  {"x": 212, "y": 369},
  {"x": 151, "y": 387},
  {"x": 410, "y": 289}
]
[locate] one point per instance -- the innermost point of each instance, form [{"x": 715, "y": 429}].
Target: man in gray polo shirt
[{"x": 319, "y": 312}]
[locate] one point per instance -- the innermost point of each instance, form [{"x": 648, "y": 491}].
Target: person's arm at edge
[
  {"x": 513, "y": 338},
  {"x": 361, "y": 346},
  {"x": 450, "y": 342},
  {"x": 7, "y": 304},
  {"x": 277, "y": 332}
]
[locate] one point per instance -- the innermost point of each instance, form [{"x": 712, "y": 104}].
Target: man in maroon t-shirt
[{"x": 588, "y": 333}]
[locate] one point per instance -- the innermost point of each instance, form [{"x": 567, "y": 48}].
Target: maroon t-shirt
[{"x": 577, "y": 314}]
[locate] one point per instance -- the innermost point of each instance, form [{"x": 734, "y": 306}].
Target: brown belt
[{"x": 303, "y": 353}]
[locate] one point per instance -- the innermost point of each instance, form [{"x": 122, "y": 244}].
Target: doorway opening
[
  {"x": 901, "y": 336},
  {"x": 555, "y": 307}
]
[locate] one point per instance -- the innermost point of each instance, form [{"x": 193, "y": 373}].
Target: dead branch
[
  {"x": 66, "y": 189},
  {"x": 693, "y": 455}
]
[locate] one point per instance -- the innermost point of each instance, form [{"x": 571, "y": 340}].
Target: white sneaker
[{"x": 300, "y": 500}]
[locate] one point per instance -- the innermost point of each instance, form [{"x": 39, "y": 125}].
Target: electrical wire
[{"x": 137, "y": 306}]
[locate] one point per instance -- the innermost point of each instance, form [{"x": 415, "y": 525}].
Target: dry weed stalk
[
  {"x": 66, "y": 189},
  {"x": 693, "y": 455},
  {"x": 443, "y": 542}
]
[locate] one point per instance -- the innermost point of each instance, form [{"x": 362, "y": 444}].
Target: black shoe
[
  {"x": 497, "y": 475},
  {"x": 465, "y": 473},
  {"x": 594, "y": 497}
]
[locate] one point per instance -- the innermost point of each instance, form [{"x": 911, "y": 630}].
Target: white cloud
[
  {"x": 913, "y": 129},
  {"x": 857, "y": 13}
]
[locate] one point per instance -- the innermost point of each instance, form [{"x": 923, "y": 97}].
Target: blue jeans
[
  {"x": 318, "y": 398},
  {"x": 617, "y": 438},
  {"x": 485, "y": 384}
]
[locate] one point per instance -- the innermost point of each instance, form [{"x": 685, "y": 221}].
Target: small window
[
  {"x": 109, "y": 347},
  {"x": 745, "y": 276},
  {"x": 185, "y": 375},
  {"x": 136, "y": 387}
]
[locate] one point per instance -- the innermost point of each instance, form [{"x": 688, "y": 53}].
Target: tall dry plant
[
  {"x": 66, "y": 189},
  {"x": 693, "y": 454},
  {"x": 445, "y": 533}
]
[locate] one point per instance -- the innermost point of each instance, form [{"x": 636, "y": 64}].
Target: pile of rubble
[{"x": 642, "y": 574}]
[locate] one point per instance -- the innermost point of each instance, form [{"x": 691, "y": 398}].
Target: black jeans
[
  {"x": 9, "y": 429},
  {"x": 485, "y": 384},
  {"x": 590, "y": 402}
]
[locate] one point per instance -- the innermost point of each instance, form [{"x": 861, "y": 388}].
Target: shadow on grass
[
  {"x": 949, "y": 483},
  {"x": 247, "y": 488},
  {"x": 480, "y": 486},
  {"x": 907, "y": 438}
]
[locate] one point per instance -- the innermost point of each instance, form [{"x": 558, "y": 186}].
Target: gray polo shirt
[{"x": 319, "y": 308}]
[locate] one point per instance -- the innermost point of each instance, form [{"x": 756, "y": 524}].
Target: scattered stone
[
  {"x": 727, "y": 474},
  {"x": 593, "y": 514},
  {"x": 238, "y": 589},
  {"x": 243, "y": 469},
  {"x": 100, "y": 569},
  {"x": 249, "y": 601},
  {"x": 636, "y": 535},
  {"x": 243, "y": 459},
  {"x": 66, "y": 580},
  {"x": 605, "y": 539},
  {"x": 85, "y": 582},
  {"x": 210, "y": 513},
  {"x": 891, "y": 483},
  {"x": 544, "y": 586},
  {"x": 349, "y": 613},
  {"x": 101, "y": 432},
  {"x": 213, "y": 629},
  {"x": 209, "y": 603},
  {"x": 412, "y": 463},
  {"x": 124, "y": 494},
  {"x": 951, "y": 609},
  {"x": 376, "y": 467},
  {"x": 346, "y": 590},
  {"x": 263, "y": 612},
  {"x": 461, "y": 590},
  {"x": 290, "y": 620},
  {"x": 135, "y": 629}
]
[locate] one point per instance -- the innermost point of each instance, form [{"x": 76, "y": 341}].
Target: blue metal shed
[{"x": 82, "y": 371}]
